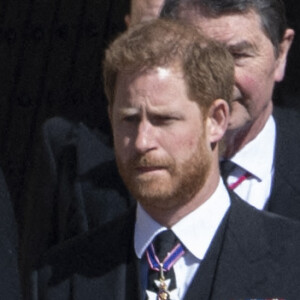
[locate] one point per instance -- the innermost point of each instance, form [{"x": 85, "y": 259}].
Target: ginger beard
[{"x": 178, "y": 183}]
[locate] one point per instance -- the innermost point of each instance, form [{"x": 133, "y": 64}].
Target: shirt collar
[
  {"x": 257, "y": 156},
  {"x": 195, "y": 231}
]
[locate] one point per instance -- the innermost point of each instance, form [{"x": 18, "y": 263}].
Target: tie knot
[
  {"x": 164, "y": 243},
  {"x": 227, "y": 167}
]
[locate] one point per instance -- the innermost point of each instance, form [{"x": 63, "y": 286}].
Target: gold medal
[{"x": 163, "y": 293}]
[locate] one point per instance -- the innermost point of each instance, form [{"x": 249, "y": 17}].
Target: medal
[
  {"x": 161, "y": 267},
  {"x": 163, "y": 293}
]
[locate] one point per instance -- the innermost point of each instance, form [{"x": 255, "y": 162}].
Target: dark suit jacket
[
  {"x": 9, "y": 282},
  {"x": 285, "y": 194},
  {"x": 75, "y": 187},
  {"x": 256, "y": 256}
]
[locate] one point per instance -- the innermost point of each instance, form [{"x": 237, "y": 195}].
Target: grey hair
[{"x": 271, "y": 13}]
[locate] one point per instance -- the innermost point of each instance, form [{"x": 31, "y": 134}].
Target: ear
[
  {"x": 127, "y": 20},
  {"x": 217, "y": 120},
  {"x": 284, "y": 48}
]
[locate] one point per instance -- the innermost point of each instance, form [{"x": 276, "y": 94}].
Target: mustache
[{"x": 146, "y": 161}]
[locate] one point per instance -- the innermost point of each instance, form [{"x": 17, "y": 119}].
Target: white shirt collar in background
[{"x": 258, "y": 155}]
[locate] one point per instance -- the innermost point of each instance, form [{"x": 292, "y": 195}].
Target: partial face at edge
[
  {"x": 256, "y": 67},
  {"x": 143, "y": 10}
]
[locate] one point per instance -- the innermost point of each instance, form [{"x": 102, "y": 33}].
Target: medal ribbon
[{"x": 169, "y": 260}]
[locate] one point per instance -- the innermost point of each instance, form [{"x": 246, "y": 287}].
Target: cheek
[
  {"x": 246, "y": 82},
  {"x": 253, "y": 90},
  {"x": 186, "y": 136},
  {"x": 255, "y": 80},
  {"x": 185, "y": 144}
]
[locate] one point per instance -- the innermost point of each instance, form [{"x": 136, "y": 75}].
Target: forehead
[
  {"x": 158, "y": 86},
  {"x": 142, "y": 10},
  {"x": 229, "y": 28}
]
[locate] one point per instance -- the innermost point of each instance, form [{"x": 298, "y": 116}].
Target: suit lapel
[
  {"x": 244, "y": 264},
  {"x": 238, "y": 259}
]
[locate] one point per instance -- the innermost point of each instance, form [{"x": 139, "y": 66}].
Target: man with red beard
[{"x": 168, "y": 89}]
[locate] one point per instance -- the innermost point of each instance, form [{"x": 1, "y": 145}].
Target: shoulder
[
  {"x": 89, "y": 147},
  {"x": 286, "y": 117},
  {"x": 259, "y": 256},
  {"x": 263, "y": 228},
  {"x": 58, "y": 132},
  {"x": 287, "y": 144}
]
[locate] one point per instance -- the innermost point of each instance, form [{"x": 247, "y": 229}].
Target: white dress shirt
[
  {"x": 195, "y": 231},
  {"x": 257, "y": 158}
]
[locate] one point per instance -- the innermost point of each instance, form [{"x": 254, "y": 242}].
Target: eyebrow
[
  {"x": 243, "y": 45},
  {"x": 128, "y": 111},
  {"x": 132, "y": 111}
]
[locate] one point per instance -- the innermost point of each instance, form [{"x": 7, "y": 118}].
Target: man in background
[
  {"x": 261, "y": 162},
  {"x": 143, "y": 10}
]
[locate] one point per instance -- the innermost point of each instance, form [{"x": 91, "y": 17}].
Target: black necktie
[{"x": 163, "y": 244}]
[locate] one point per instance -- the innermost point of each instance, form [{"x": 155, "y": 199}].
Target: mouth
[{"x": 149, "y": 169}]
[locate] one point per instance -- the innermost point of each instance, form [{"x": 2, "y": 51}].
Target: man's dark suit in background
[
  {"x": 9, "y": 282},
  {"x": 285, "y": 193},
  {"x": 76, "y": 187},
  {"x": 240, "y": 263}
]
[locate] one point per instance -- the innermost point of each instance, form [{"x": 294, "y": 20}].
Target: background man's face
[
  {"x": 159, "y": 138},
  {"x": 143, "y": 10},
  {"x": 256, "y": 67}
]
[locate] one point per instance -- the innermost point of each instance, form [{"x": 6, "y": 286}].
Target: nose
[{"x": 145, "y": 137}]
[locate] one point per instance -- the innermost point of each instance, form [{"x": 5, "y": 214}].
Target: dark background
[{"x": 50, "y": 64}]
